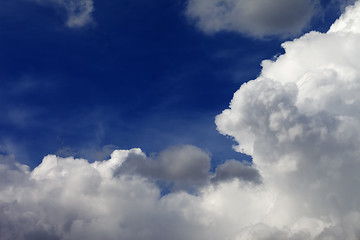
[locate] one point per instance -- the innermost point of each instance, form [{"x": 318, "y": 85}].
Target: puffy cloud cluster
[
  {"x": 79, "y": 12},
  {"x": 119, "y": 198},
  {"x": 256, "y": 18},
  {"x": 299, "y": 120}
]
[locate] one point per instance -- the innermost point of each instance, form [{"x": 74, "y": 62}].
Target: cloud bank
[
  {"x": 300, "y": 122},
  {"x": 67, "y": 198},
  {"x": 256, "y": 18},
  {"x": 79, "y": 12}
]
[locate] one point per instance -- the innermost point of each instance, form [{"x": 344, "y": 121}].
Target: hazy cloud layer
[
  {"x": 256, "y": 18},
  {"x": 79, "y": 12},
  {"x": 299, "y": 120}
]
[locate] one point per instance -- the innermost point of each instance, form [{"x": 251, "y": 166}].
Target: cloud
[
  {"x": 119, "y": 198},
  {"x": 79, "y": 12},
  {"x": 300, "y": 122},
  {"x": 234, "y": 169},
  {"x": 185, "y": 167},
  {"x": 255, "y": 18}
]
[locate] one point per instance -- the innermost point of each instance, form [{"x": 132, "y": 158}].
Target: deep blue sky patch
[{"x": 139, "y": 75}]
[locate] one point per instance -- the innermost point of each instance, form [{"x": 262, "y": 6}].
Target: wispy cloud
[{"x": 79, "y": 12}]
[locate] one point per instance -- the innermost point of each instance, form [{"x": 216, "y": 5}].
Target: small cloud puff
[{"x": 256, "y": 18}]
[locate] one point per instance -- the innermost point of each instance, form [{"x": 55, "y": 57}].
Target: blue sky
[{"x": 140, "y": 74}]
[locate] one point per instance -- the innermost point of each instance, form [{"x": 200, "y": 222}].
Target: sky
[
  {"x": 181, "y": 119},
  {"x": 82, "y": 78}
]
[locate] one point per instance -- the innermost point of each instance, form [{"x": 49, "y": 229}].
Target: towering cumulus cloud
[{"x": 299, "y": 120}]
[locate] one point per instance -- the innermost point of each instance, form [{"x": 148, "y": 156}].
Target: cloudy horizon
[{"x": 281, "y": 161}]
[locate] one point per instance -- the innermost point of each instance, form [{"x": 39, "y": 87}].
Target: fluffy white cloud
[
  {"x": 300, "y": 121},
  {"x": 79, "y": 12},
  {"x": 67, "y": 198},
  {"x": 252, "y": 17}
]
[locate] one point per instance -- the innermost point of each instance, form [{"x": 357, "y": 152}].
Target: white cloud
[
  {"x": 300, "y": 122},
  {"x": 256, "y": 18},
  {"x": 67, "y": 198},
  {"x": 79, "y": 12}
]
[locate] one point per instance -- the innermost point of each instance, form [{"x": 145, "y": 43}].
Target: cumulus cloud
[
  {"x": 119, "y": 198},
  {"x": 300, "y": 122},
  {"x": 256, "y": 18},
  {"x": 234, "y": 169},
  {"x": 79, "y": 12},
  {"x": 185, "y": 167}
]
